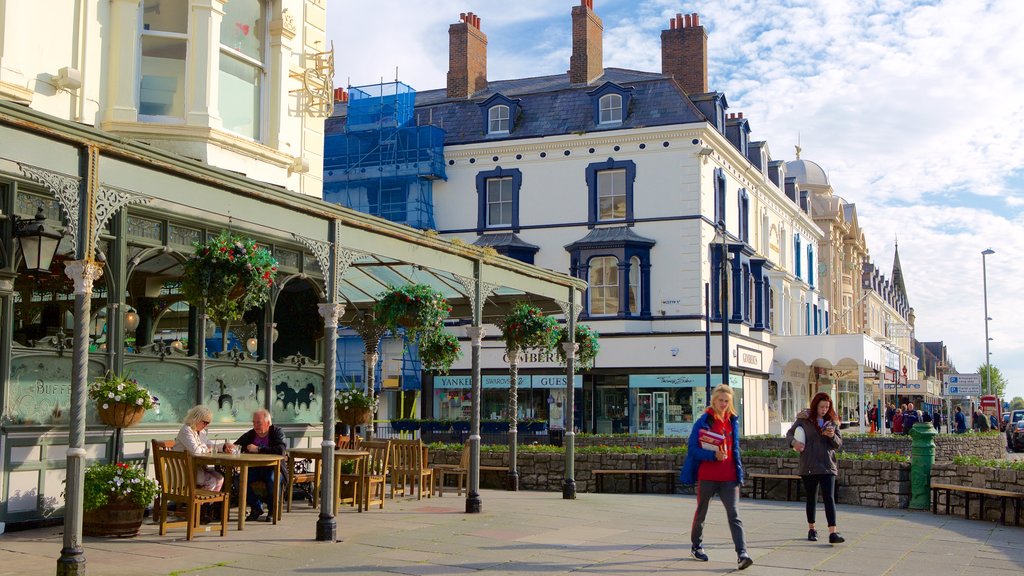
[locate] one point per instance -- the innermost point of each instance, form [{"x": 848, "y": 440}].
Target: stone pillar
[
  {"x": 512, "y": 482},
  {"x": 326, "y": 527},
  {"x": 122, "y": 65},
  {"x": 72, "y": 556},
  {"x": 922, "y": 456},
  {"x": 473, "y": 503},
  {"x": 202, "y": 108}
]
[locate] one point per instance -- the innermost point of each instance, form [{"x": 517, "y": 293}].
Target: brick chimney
[
  {"x": 587, "y": 62},
  {"x": 684, "y": 53},
  {"x": 467, "y": 57}
]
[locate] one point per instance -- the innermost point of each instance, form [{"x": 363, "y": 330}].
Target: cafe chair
[
  {"x": 411, "y": 469},
  {"x": 177, "y": 477},
  {"x": 460, "y": 471},
  {"x": 156, "y": 446},
  {"x": 304, "y": 472},
  {"x": 376, "y": 472},
  {"x": 349, "y": 442}
]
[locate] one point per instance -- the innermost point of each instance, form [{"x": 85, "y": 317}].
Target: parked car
[
  {"x": 1017, "y": 441},
  {"x": 1016, "y": 417}
]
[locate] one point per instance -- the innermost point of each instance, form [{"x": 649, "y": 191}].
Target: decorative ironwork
[
  {"x": 299, "y": 361},
  {"x": 27, "y": 204},
  {"x": 565, "y": 309},
  {"x": 145, "y": 228},
  {"x": 161, "y": 349},
  {"x": 59, "y": 342},
  {"x": 321, "y": 251},
  {"x": 317, "y": 83},
  {"x": 183, "y": 235},
  {"x": 287, "y": 258},
  {"x": 470, "y": 285},
  {"x": 233, "y": 355},
  {"x": 108, "y": 201},
  {"x": 66, "y": 189}
]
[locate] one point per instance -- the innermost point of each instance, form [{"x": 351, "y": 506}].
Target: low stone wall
[
  {"x": 861, "y": 482},
  {"x": 978, "y": 477},
  {"x": 986, "y": 446}
]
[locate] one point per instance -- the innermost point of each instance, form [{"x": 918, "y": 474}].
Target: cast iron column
[
  {"x": 72, "y": 558},
  {"x": 512, "y": 483},
  {"x": 569, "y": 485},
  {"x": 326, "y": 527},
  {"x": 473, "y": 502}
]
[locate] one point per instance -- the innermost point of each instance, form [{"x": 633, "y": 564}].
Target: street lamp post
[{"x": 984, "y": 284}]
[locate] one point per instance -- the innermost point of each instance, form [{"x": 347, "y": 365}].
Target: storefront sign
[
  {"x": 492, "y": 381},
  {"x": 680, "y": 380},
  {"x": 555, "y": 381},
  {"x": 748, "y": 358}
]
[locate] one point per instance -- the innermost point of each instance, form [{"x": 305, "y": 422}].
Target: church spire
[{"x": 897, "y": 274}]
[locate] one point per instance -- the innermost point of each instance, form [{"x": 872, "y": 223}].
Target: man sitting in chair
[{"x": 264, "y": 438}]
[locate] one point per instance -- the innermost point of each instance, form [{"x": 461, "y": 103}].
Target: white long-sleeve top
[{"x": 188, "y": 440}]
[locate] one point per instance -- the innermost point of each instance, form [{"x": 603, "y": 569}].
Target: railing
[{"x": 552, "y": 437}]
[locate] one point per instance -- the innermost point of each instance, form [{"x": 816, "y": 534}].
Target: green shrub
[{"x": 983, "y": 463}]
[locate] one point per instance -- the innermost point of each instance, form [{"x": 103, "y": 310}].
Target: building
[{"x": 621, "y": 177}]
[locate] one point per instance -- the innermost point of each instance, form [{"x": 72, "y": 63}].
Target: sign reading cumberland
[{"x": 961, "y": 385}]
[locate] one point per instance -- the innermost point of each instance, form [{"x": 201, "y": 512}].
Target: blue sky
[{"x": 913, "y": 108}]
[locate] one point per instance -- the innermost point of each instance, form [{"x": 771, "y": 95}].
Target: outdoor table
[
  {"x": 340, "y": 455},
  {"x": 243, "y": 461}
]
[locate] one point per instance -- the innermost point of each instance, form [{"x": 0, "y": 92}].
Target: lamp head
[
  {"x": 988, "y": 252},
  {"x": 37, "y": 242}
]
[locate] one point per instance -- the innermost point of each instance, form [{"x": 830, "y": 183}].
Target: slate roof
[
  {"x": 611, "y": 237},
  {"x": 550, "y": 105},
  {"x": 507, "y": 239}
]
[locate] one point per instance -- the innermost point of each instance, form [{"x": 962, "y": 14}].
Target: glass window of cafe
[
  {"x": 540, "y": 397},
  {"x": 669, "y": 404}
]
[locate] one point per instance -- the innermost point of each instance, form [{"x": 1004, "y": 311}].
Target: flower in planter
[
  {"x": 525, "y": 326},
  {"x": 231, "y": 274},
  {"x": 106, "y": 483},
  {"x": 439, "y": 350},
  {"x": 587, "y": 339},
  {"x": 418, "y": 308},
  {"x": 119, "y": 389},
  {"x": 352, "y": 400}
]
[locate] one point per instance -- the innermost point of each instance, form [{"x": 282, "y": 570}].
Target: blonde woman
[
  {"x": 716, "y": 471},
  {"x": 192, "y": 438}
]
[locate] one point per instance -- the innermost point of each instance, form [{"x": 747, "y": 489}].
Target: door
[
  {"x": 644, "y": 413},
  {"x": 660, "y": 412}
]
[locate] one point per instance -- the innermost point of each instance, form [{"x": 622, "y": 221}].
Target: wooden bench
[
  {"x": 763, "y": 479},
  {"x": 1003, "y": 496},
  {"x": 638, "y": 478}
]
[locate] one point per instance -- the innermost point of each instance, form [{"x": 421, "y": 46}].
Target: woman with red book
[
  {"x": 716, "y": 471},
  {"x": 819, "y": 427}
]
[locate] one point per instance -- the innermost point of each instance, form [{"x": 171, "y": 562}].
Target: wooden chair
[
  {"x": 303, "y": 475},
  {"x": 460, "y": 471},
  {"x": 376, "y": 472},
  {"x": 351, "y": 443},
  {"x": 158, "y": 445},
  {"x": 178, "y": 484},
  {"x": 410, "y": 469}
]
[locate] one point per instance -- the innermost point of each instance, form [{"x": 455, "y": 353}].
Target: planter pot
[
  {"x": 120, "y": 414},
  {"x": 353, "y": 416},
  {"x": 113, "y": 520},
  {"x": 237, "y": 291},
  {"x": 407, "y": 321}
]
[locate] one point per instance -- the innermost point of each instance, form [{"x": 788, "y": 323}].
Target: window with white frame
[
  {"x": 499, "y": 201},
  {"x": 164, "y": 49},
  {"x": 611, "y": 195},
  {"x": 243, "y": 49},
  {"x": 611, "y": 108},
  {"x": 604, "y": 286},
  {"x": 634, "y": 285},
  {"x": 497, "y": 119},
  {"x": 788, "y": 402}
]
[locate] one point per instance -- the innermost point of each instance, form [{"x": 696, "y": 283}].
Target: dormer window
[
  {"x": 610, "y": 104},
  {"x": 611, "y": 108},
  {"x": 499, "y": 114},
  {"x": 497, "y": 119}
]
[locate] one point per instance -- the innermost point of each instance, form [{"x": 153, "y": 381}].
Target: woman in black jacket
[{"x": 817, "y": 441}]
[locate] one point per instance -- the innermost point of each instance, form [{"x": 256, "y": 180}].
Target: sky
[{"x": 913, "y": 108}]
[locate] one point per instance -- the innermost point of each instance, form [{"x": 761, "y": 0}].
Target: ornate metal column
[
  {"x": 513, "y": 420},
  {"x": 473, "y": 503},
  {"x": 326, "y": 527},
  {"x": 570, "y": 347}
]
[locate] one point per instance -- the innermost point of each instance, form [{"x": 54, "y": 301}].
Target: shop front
[
  {"x": 539, "y": 397},
  {"x": 668, "y": 404}
]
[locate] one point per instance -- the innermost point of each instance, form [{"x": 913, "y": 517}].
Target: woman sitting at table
[
  {"x": 192, "y": 438},
  {"x": 264, "y": 438}
]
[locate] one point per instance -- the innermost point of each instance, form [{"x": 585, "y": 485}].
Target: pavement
[{"x": 528, "y": 533}]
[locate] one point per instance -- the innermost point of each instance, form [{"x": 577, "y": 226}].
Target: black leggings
[{"x": 828, "y": 493}]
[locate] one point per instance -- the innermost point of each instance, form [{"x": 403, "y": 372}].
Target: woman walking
[
  {"x": 815, "y": 435},
  {"x": 713, "y": 463}
]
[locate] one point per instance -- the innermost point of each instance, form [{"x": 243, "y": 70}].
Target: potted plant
[
  {"x": 586, "y": 339},
  {"x": 354, "y": 407},
  {"x": 525, "y": 326},
  {"x": 439, "y": 350},
  {"x": 230, "y": 274},
  {"x": 115, "y": 499},
  {"x": 418, "y": 308},
  {"x": 120, "y": 401}
]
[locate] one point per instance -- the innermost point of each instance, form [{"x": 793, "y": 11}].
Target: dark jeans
[
  {"x": 264, "y": 474},
  {"x": 729, "y": 494},
  {"x": 828, "y": 496}
]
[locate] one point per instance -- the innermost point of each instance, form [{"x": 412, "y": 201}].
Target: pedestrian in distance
[
  {"x": 897, "y": 422},
  {"x": 713, "y": 463},
  {"x": 983, "y": 425},
  {"x": 937, "y": 420},
  {"x": 819, "y": 428},
  {"x": 910, "y": 417},
  {"x": 961, "y": 421}
]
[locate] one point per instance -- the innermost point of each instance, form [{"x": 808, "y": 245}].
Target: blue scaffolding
[
  {"x": 383, "y": 163},
  {"x": 349, "y": 355}
]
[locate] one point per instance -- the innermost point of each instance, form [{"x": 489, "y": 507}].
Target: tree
[
  {"x": 998, "y": 381},
  {"x": 1017, "y": 403}
]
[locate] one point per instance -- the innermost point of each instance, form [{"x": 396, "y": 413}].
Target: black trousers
[{"x": 827, "y": 482}]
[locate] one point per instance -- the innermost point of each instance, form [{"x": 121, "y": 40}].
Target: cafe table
[
  {"x": 242, "y": 461},
  {"x": 340, "y": 455}
]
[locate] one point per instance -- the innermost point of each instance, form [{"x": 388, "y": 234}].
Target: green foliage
[
  {"x": 998, "y": 383},
  {"x": 983, "y": 463},
  {"x": 106, "y": 483},
  {"x": 418, "y": 308},
  {"x": 525, "y": 326},
  {"x": 119, "y": 388},
  {"x": 218, "y": 267},
  {"x": 588, "y": 346},
  {"x": 548, "y": 449},
  {"x": 352, "y": 398},
  {"x": 879, "y": 456},
  {"x": 439, "y": 350},
  {"x": 1017, "y": 403}
]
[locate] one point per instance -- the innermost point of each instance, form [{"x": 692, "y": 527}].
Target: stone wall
[
  {"x": 976, "y": 476},
  {"x": 861, "y": 482},
  {"x": 986, "y": 446}
]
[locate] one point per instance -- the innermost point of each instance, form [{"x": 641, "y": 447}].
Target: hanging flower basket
[
  {"x": 416, "y": 307},
  {"x": 354, "y": 407},
  {"x": 525, "y": 326},
  {"x": 439, "y": 350},
  {"x": 354, "y": 416},
  {"x": 588, "y": 346},
  {"x": 120, "y": 414},
  {"x": 231, "y": 274}
]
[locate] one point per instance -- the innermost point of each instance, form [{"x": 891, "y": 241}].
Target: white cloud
[{"x": 912, "y": 107}]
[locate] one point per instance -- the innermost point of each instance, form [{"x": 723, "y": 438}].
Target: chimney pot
[
  {"x": 688, "y": 21},
  {"x": 586, "y": 63},
  {"x": 672, "y": 24},
  {"x": 679, "y": 20},
  {"x": 696, "y": 19},
  {"x": 684, "y": 55},
  {"x": 467, "y": 57}
]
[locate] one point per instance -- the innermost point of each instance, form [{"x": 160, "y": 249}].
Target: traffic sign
[{"x": 961, "y": 385}]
